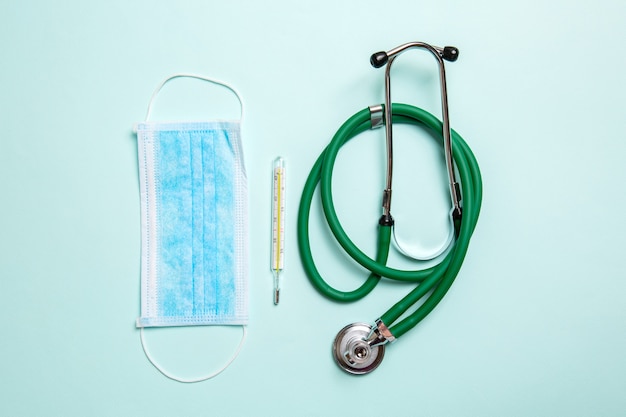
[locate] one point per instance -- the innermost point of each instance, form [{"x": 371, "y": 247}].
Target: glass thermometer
[{"x": 278, "y": 224}]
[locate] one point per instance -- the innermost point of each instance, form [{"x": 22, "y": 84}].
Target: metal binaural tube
[
  {"x": 381, "y": 58},
  {"x": 388, "y": 140}
]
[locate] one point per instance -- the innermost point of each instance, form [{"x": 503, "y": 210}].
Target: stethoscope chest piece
[{"x": 352, "y": 352}]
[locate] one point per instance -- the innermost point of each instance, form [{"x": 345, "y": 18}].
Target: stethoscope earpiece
[
  {"x": 379, "y": 59},
  {"x": 450, "y": 53}
]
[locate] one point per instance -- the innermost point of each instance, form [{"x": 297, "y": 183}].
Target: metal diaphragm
[{"x": 352, "y": 353}]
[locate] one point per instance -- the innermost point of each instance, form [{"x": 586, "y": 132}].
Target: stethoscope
[{"x": 359, "y": 348}]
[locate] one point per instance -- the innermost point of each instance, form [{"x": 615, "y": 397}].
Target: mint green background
[{"x": 535, "y": 324}]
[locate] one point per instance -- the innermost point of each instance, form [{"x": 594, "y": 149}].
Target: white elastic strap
[
  {"x": 422, "y": 254},
  {"x": 192, "y": 380},
  {"x": 199, "y": 77}
]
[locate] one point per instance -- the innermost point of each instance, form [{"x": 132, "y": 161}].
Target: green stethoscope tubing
[{"x": 435, "y": 280}]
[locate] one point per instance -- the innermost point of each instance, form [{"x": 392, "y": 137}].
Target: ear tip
[
  {"x": 379, "y": 59},
  {"x": 450, "y": 53}
]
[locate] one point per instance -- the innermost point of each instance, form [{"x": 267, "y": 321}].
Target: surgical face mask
[{"x": 194, "y": 216}]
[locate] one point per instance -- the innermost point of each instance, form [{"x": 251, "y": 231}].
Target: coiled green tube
[{"x": 433, "y": 282}]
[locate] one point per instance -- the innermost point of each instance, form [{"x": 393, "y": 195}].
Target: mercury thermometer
[{"x": 278, "y": 224}]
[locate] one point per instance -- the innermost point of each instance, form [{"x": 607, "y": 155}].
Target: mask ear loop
[
  {"x": 243, "y": 327},
  {"x": 192, "y": 380},
  {"x": 198, "y": 77}
]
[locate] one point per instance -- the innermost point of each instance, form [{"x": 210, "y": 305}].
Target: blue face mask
[{"x": 194, "y": 217}]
